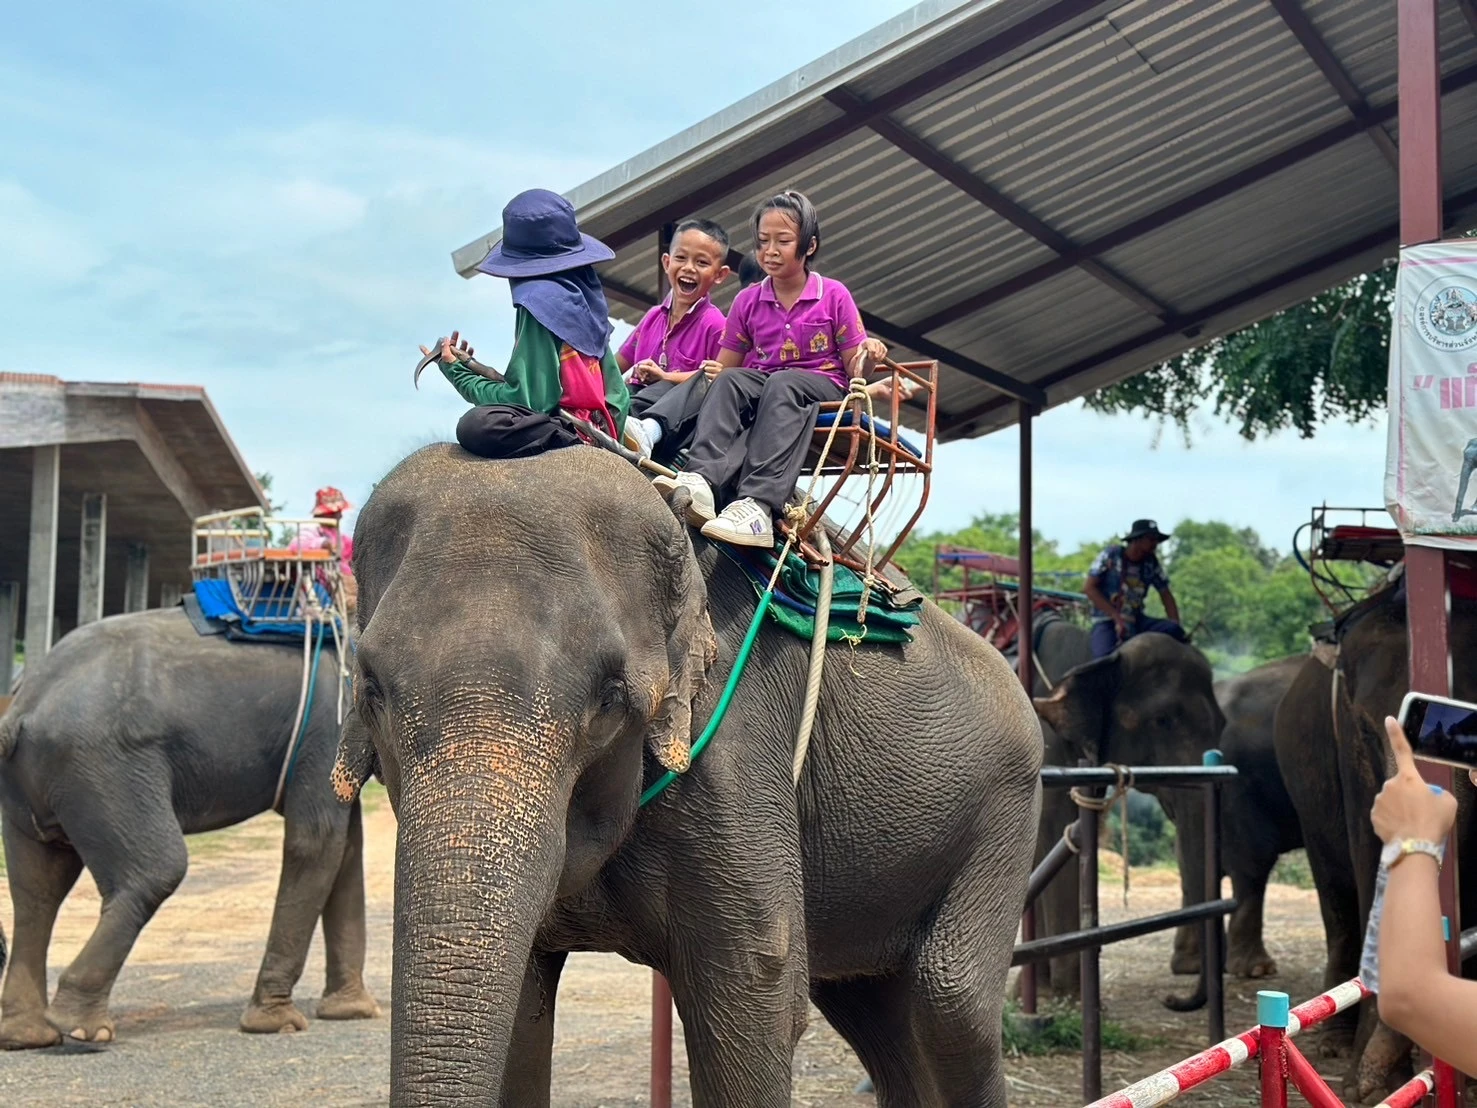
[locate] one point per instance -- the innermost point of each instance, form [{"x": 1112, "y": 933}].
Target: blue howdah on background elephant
[
  {"x": 132, "y": 733},
  {"x": 540, "y": 639}
]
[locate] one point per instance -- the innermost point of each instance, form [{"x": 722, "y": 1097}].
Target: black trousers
[
  {"x": 644, "y": 397},
  {"x": 754, "y": 429},
  {"x": 676, "y": 409}
]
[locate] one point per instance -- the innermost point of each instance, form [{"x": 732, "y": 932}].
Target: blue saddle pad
[
  {"x": 823, "y": 421},
  {"x": 218, "y": 604}
]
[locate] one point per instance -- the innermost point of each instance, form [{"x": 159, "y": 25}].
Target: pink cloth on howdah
[
  {"x": 693, "y": 341},
  {"x": 816, "y": 334}
]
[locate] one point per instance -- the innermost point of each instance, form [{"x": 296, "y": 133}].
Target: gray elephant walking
[
  {"x": 131, "y": 734},
  {"x": 540, "y": 638},
  {"x": 1469, "y": 462}
]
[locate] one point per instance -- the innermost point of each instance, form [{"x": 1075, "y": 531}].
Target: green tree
[{"x": 1326, "y": 358}]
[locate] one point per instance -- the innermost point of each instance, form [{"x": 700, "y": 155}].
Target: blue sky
[{"x": 262, "y": 199}]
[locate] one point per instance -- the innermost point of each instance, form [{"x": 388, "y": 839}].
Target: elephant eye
[{"x": 615, "y": 698}]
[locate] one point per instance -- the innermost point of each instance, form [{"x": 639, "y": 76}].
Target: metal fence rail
[{"x": 1082, "y": 838}]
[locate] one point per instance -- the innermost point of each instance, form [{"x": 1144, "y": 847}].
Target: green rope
[{"x": 660, "y": 785}]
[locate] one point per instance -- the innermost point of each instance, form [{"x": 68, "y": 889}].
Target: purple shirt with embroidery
[
  {"x": 816, "y": 334},
  {"x": 689, "y": 344}
]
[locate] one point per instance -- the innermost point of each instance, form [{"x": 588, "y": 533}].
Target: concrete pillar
[
  {"x": 10, "y": 596},
  {"x": 169, "y": 595},
  {"x": 136, "y": 584},
  {"x": 41, "y": 572},
  {"x": 90, "y": 563}
]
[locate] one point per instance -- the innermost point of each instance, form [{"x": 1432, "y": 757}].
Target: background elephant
[
  {"x": 887, "y": 887},
  {"x": 1151, "y": 702},
  {"x": 1331, "y": 747},
  {"x": 132, "y": 733}
]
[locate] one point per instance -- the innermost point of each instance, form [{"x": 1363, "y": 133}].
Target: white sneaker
[
  {"x": 703, "y": 509},
  {"x": 745, "y": 522},
  {"x": 638, "y": 438}
]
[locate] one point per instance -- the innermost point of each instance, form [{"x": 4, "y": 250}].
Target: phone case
[{"x": 1412, "y": 697}]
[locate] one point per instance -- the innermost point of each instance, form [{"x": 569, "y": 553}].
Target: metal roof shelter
[
  {"x": 1050, "y": 196},
  {"x": 99, "y": 485}
]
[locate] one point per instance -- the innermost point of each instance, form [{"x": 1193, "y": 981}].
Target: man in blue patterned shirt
[{"x": 1119, "y": 582}]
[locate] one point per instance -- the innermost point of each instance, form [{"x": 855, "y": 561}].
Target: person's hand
[
  {"x": 1406, "y": 808},
  {"x": 882, "y": 390},
  {"x": 647, "y": 371},
  {"x": 450, "y": 352},
  {"x": 875, "y": 349},
  {"x": 1120, "y": 624},
  {"x": 711, "y": 368}
]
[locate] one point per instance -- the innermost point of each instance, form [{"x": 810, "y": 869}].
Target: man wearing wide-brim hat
[{"x": 1119, "y": 582}]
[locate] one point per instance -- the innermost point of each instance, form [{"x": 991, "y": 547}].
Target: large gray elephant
[
  {"x": 1333, "y": 753},
  {"x": 132, "y": 733},
  {"x": 1151, "y": 702},
  {"x": 542, "y": 638}
]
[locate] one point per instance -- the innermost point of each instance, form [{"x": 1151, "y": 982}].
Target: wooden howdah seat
[
  {"x": 900, "y": 454},
  {"x": 249, "y": 561}
]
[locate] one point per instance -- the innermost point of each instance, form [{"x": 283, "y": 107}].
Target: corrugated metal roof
[{"x": 1063, "y": 192}]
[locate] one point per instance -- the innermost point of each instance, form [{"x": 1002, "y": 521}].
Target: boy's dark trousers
[
  {"x": 754, "y": 430},
  {"x": 676, "y": 409}
]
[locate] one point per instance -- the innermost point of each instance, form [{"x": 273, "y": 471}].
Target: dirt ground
[{"x": 179, "y": 997}]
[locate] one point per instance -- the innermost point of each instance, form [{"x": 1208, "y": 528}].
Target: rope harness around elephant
[{"x": 798, "y": 515}]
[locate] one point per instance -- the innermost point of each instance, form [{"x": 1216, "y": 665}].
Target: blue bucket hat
[{"x": 541, "y": 236}]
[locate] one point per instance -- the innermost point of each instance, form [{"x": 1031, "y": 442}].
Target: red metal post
[
  {"x": 1271, "y": 1013},
  {"x": 1429, "y": 604},
  {"x": 661, "y": 1042},
  {"x": 1025, "y": 599},
  {"x": 1307, "y": 1080}
]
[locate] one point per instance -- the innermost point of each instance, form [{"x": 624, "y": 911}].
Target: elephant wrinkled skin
[
  {"x": 540, "y": 637},
  {"x": 132, "y": 733}
]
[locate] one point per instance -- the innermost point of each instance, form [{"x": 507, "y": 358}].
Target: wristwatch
[{"x": 1398, "y": 849}]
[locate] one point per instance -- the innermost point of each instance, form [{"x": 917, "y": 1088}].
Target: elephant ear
[
  {"x": 692, "y": 647},
  {"x": 357, "y": 761},
  {"x": 1079, "y": 708}
]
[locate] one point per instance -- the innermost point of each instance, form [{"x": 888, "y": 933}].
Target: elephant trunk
[{"x": 478, "y": 857}]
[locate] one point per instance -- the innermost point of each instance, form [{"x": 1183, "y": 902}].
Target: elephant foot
[
  {"x": 81, "y": 1019},
  {"x": 269, "y": 1017},
  {"x": 1251, "y": 963},
  {"x": 1185, "y": 963},
  {"x": 1383, "y": 1067},
  {"x": 27, "y": 1032},
  {"x": 1335, "y": 1041},
  {"x": 349, "y": 1003}
]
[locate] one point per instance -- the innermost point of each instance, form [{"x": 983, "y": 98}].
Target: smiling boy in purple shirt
[
  {"x": 676, "y": 337},
  {"x": 793, "y": 341}
]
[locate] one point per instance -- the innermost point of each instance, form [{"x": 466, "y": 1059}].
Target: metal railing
[{"x": 1082, "y": 839}]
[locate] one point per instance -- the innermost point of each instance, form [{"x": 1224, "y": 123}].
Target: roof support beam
[
  {"x": 1469, "y": 11},
  {"x": 1007, "y": 209},
  {"x": 1007, "y": 42},
  {"x": 961, "y": 423},
  {"x": 1317, "y": 50},
  {"x": 1184, "y": 206}
]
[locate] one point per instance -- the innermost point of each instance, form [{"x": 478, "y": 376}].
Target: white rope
[
  {"x": 297, "y": 723},
  {"x": 817, "y": 654}
]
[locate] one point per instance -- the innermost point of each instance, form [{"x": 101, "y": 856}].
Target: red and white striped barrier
[
  {"x": 1168, "y": 1084},
  {"x": 1412, "y": 1092}
]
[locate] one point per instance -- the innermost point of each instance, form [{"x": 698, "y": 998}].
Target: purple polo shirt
[
  {"x": 816, "y": 334},
  {"x": 688, "y": 345}
]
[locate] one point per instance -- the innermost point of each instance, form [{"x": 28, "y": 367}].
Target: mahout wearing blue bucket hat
[{"x": 561, "y": 352}]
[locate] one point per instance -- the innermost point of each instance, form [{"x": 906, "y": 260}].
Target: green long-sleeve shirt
[{"x": 532, "y": 376}]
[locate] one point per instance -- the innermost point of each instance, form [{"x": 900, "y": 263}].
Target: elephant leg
[
  {"x": 1247, "y": 955},
  {"x": 1469, "y": 459},
  {"x": 344, "y": 994},
  {"x": 137, "y": 866},
  {"x": 40, "y": 876},
  {"x": 526, "y": 1081},
  {"x": 313, "y": 848},
  {"x": 872, "y": 1015}
]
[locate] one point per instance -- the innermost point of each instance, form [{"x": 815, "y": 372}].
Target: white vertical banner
[{"x": 1431, "y": 450}]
